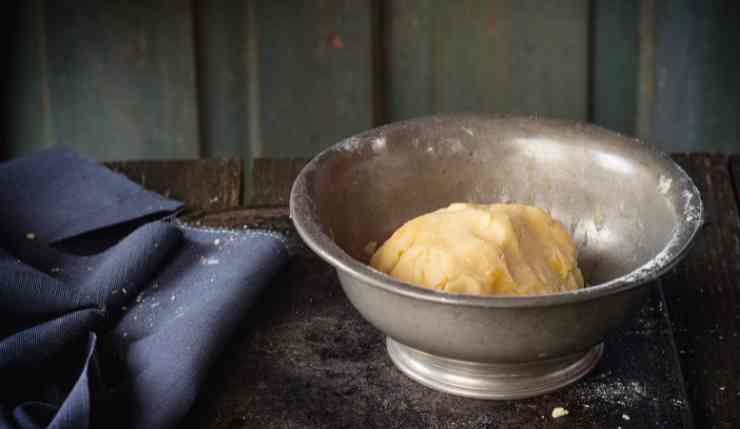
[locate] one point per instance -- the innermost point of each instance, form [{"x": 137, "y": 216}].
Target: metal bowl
[{"x": 632, "y": 211}]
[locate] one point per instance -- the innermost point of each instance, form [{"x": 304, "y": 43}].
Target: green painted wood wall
[
  {"x": 697, "y": 75},
  {"x": 182, "y": 79}
]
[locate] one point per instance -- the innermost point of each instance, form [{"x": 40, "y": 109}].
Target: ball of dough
[{"x": 498, "y": 249}]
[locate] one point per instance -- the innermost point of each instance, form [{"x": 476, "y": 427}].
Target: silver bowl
[{"x": 632, "y": 211}]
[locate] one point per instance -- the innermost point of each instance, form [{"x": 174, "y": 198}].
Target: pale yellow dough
[{"x": 498, "y": 249}]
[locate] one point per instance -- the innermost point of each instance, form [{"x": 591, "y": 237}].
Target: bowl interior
[{"x": 622, "y": 201}]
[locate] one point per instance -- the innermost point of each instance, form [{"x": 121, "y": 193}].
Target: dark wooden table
[{"x": 305, "y": 358}]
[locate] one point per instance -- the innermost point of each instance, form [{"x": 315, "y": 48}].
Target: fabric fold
[
  {"x": 121, "y": 328},
  {"x": 56, "y": 194}
]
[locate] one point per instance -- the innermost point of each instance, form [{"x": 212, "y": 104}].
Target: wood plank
[
  {"x": 735, "y": 172},
  {"x": 379, "y": 82},
  {"x": 315, "y": 74},
  {"x": 25, "y": 124},
  {"x": 121, "y": 78},
  {"x": 224, "y": 60},
  {"x": 697, "y": 98},
  {"x": 704, "y": 300},
  {"x": 203, "y": 184},
  {"x": 409, "y": 42},
  {"x": 646, "y": 71},
  {"x": 270, "y": 218},
  {"x": 273, "y": 179},
  {"x": 614, "y": 64},
  {"x": 496, "y": 56},
  {"x": 227, "y": 80}
]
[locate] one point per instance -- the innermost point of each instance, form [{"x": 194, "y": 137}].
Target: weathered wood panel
[
  {"x": 270, "y": 218},
  {"x": 496, "y": 56},
  {"x": 121, "y": 77},
  {"x": 697, "y": 99},
  {"x": 614, "y": 62},
  {"x": 25, "y": 124},
  {"x": 315, "y": 74},
  {"x": 704, "y": 300},
  {"x": 227, "y": 79},
  {"x": 646, "y": 70},
  {"x": 178, "y": 78},
  {"x": 273, "y": 179},
  {"x": 201, "y": 184},
  {"x": 225, "y": 60}
]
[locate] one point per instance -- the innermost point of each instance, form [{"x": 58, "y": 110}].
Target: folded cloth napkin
[{"x": 110, "y": 312}]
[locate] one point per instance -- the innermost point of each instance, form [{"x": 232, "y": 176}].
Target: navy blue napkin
[{"x": 110, "y": 312}]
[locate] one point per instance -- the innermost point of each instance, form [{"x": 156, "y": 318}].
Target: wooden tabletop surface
[{"x": 701, "y": 297}]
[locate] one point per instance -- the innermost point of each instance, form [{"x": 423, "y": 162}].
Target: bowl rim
[{"x": 324, "y": 246}]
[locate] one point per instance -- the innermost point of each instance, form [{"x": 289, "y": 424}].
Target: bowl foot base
[{"x": 488, "y": 380}]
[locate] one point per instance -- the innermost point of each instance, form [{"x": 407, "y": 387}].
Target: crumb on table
[{"x": 558, "y": 412}]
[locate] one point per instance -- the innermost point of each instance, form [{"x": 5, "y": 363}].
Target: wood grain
[
  {"x": 203, "y": 184},
  {"x": 497, "y": 56},
  {"x": 121, "y": 78},
  {"x": 177, "y": 79},
  {"x": 704, "y": 300},
  {"x": 735, "y": 172},
  {"x": 273, "y": 179},
  {"x": 271, "y": 218}
]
